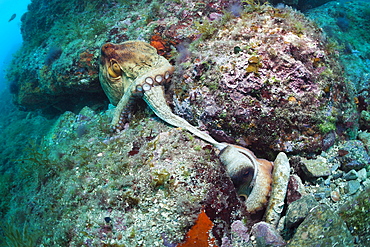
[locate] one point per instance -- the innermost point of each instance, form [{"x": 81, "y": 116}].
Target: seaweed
[
  {"x": 36, "y": 159},
  {"x": 18, "y": 237},
  {"x": 252, "y": 5},
  {"x": 206, "y": 28},
  {"x": 6, "y": 185}
]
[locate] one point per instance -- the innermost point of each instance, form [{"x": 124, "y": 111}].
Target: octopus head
[
  {"x": 124, "y": 66},
  {"x": 127, "y": 71}
]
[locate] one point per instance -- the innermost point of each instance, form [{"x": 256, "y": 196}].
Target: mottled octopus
[{"x": 134, "y": 69}]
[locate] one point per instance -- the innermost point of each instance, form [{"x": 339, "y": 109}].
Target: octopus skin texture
[
  {"x": 133, "y": 69},
  {"x": 253, "y": 185},
  {"x": 129, "y": 69}
]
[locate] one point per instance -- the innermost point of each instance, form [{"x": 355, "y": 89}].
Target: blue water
[{"x": 10, "y": 34}]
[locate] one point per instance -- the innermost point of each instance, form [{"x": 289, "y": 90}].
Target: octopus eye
[
  {"x": 114, "y": 71},
  {"x": 158, "y": 78},
  {"x": 149, "y": 80}
]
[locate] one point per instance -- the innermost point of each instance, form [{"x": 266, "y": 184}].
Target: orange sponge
[{"x": 198, "y": 235}]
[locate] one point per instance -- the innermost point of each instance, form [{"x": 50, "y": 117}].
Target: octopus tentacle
[
  {"x": 136, "y": 89},
  {"x": 156, "y": 101},
  {"x": 251, "y": 176},
  {"x": 124, "y": 116},
  {"x": 241, "y": 170},
  {"x": 122, "y": 104},
  {"x": 259, "y": 196}
]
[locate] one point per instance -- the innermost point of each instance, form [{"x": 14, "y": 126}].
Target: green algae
[
  {"x": 207, "y": 28},
  {"x": 197, "y": 148},
  {"x": 327, "y": 127},
  {"x": 18, "y": 237}
]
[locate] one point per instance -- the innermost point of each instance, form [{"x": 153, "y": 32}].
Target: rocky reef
[
  {"x": 148, "y": 172},
  {"x": 247, "y": 73},
  {"x": 147, "y": 185},
  {"x": 253, "y": 75}
]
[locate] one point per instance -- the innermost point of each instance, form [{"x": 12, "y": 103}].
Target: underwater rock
[
  {"x": 364, "y": 136},
  {"x": 355, "y": 213},
  {"x": 295, "y": 189},
  {"x": 240, "y": 236},
  {"x": 276, "y": 93},
  {"x": 353, "y": 186},
  {"x": 351, "y": 175},
  {"x": 298, "y": 211},
  {"x": 365, "y": 115},
  {"x": 237, "y": 227},
  {"x": 114, "y": 195},
  {"x": 280, "y": 179},
  {"x": 353, "y": 155},
  {"x": 362, "y": 174},
  {"x": 322, "y": 227},
  {"x": 79, "y": 28},
  {"x": 315, "y": 168},
  {"x": 266, "y": 235}
]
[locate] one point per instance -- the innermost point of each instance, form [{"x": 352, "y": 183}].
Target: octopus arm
[
  {"x": 156, "y": 101},
  {"x": 258, "y": 198}
]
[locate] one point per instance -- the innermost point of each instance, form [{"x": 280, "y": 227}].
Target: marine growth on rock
[{"x": 162, "y": 110}]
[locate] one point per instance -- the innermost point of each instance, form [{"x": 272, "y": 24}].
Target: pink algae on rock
[{"x": 267, "y": 80}]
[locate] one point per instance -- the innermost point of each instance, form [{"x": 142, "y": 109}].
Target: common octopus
[{"x": 132, "y": 70}]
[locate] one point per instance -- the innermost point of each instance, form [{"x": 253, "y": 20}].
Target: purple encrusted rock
[{"x": 266, "y": 235}]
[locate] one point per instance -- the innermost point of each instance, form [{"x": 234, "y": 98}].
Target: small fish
[{"x": 12, "y": 18}]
